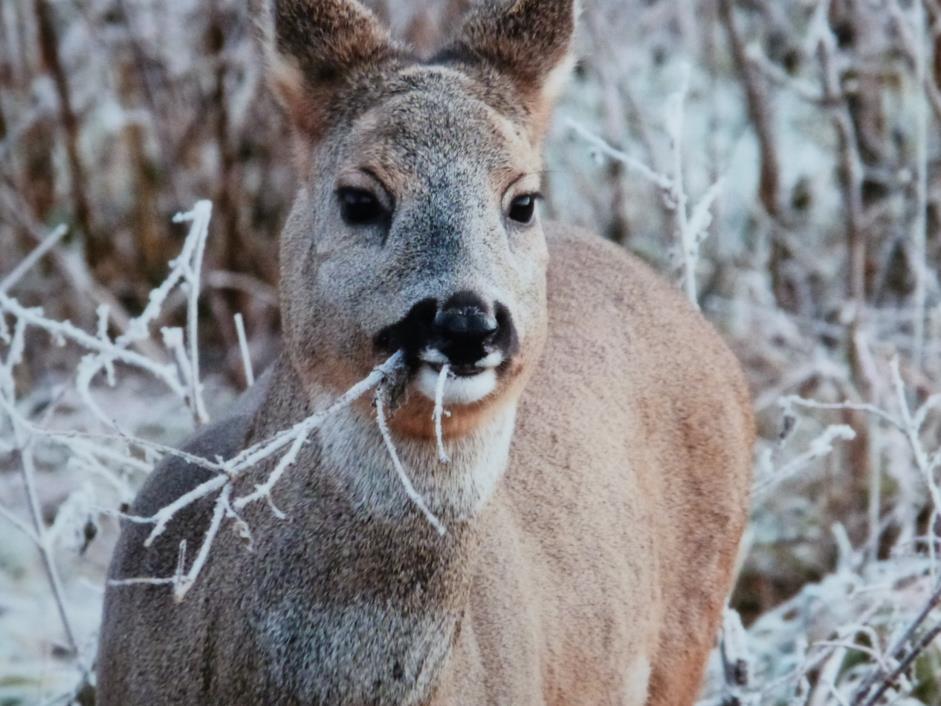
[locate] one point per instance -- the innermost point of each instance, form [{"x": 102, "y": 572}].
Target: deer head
[{"x": 416, "y": 225}]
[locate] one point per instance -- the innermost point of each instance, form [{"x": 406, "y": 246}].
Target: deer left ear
[
  {"x": 315, "y": 47},
  {"x": 528, "y": 42}
]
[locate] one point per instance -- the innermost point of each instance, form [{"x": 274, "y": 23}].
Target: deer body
[{"x": 599, "y": 438}]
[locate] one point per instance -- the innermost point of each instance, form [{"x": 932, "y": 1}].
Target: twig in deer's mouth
[
  {"x": 440, "y": 412},
  {"x": 413, "y": 494}
]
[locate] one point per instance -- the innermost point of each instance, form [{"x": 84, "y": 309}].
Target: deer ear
[
  {"x": 528, "y": 42},
  {"x": 313, "y": 49}
]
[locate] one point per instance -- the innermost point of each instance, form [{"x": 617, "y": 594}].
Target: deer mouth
[
  {"x": 436, "y": 360},
  {"x": 456, "y": 355},
  {"x": 437, "y": 376}
]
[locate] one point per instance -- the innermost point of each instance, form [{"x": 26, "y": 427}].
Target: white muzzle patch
[{"x": 458, "y": 389}]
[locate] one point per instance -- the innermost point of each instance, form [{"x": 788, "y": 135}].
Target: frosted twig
[
  {"x": 243, "y": 349},
  {"x": 249, "y": 458},
  {"x": 263, "y": 449},
  {"x": 819, "y": 447},
  {"x": 907, "y": 423},
  {"x": 439, "y": 413},
  {"x": 794, "y": 400},
  {"x": 139, "y": 326},
  {"x": 144, "y": 581},
  {"x": 162, "y": 517},
  {"x": 74, "y": 439},
  {"x": 223, "y": 483},
  {"x": 174, "y": 341},
  {"x": 154, "y": 581},
  {"x": 263, "y": 490},
  {"x": 701, "y": 217},
  {"x": 27, "y": 262},
  {"x": 191, "y": 268},
  {"x": 660, "y": 180},
  {"x": 19, "y": 524},
  {"x": 23, "y": 455},
  {"x": 104, "y": 352},
  {"x": 103, "y": 312},
  {"x": 184, "y": 583},
  {"x": 64, "y": 330},
  {"x": 691, "y": 227},
  {"x": 399, "y": 469},
  {"x": 898, "y": 649},
  {"x": 891, "y": 678},
  {"x": 934, "y": 401},
  {"x": 676, "y": 115},
  {"x": 183, "y": 580}
]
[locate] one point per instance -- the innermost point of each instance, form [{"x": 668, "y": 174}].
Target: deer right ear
[
  {"x": 313, "y": 48},
  {"x": 527, "y": 41}
]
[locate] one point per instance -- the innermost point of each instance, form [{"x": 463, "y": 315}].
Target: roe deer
[{"x": 599, "y": 435}]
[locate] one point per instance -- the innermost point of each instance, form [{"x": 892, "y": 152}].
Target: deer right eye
[{"x": 359, "y": 207}]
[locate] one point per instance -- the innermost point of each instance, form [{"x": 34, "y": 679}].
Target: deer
[{"x": 598, "y": 432}]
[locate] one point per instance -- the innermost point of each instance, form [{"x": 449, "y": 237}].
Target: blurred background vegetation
[{"x": 821, "y": 118}]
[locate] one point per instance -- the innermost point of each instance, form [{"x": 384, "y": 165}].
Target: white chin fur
[{"x": 457, "y": 390}]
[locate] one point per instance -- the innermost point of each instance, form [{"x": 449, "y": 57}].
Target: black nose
[
  {"x": 465, "y": 317},
  {"x": 464, "y": 329}
]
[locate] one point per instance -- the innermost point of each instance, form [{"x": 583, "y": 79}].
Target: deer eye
[
  {"x": 359, "y": 207},
  {"x": 523, "y": 208}
]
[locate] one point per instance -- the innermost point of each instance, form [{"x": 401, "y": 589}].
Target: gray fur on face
[{"x": 447, "y": 164}]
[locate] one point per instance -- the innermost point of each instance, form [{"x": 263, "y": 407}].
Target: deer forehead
[{"x": 432, "y": 122}]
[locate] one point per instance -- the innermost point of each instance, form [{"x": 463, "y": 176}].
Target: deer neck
[
  {"x": 370, "y": 585},
  {"x": 349, "y": 452}
]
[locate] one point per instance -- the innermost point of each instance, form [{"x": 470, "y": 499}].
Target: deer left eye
[
  {"x": 359, "y": 207},
  {"x": 523, "y": 209}
]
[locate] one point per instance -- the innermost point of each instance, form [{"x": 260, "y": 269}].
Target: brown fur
[
  {"x": 616, "y": 530},
  {"x": 595, "y": 496}
]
